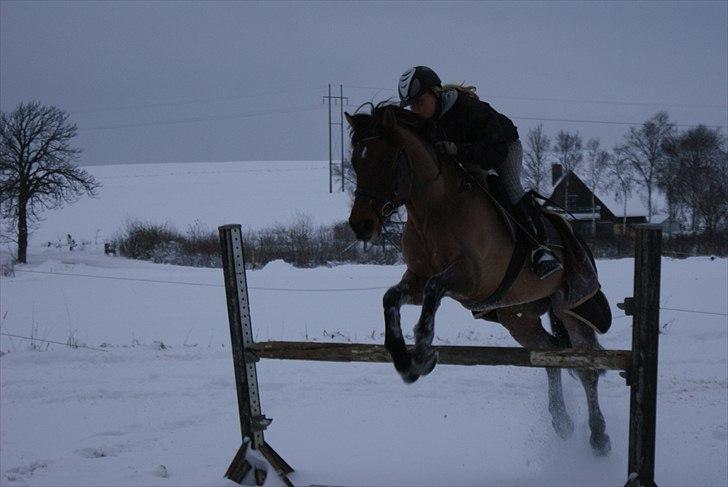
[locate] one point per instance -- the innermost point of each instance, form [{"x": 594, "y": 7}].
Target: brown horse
[{"x": 455, "y": 244}]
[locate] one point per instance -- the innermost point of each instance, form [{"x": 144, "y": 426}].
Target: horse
[{"x": 455, "y": 244}]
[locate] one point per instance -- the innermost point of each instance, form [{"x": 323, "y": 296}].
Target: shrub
[
  {"x": 300, "y": 243},
  {"x": 139, "y": 240}
]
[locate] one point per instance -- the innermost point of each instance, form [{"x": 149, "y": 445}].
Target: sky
[{"x": 149, "y": 82}]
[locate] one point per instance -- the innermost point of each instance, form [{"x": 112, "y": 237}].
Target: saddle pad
[{"x": 584, "y": 299}]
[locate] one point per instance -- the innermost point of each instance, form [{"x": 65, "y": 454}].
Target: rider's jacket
[{"x": 482, "y": 135}]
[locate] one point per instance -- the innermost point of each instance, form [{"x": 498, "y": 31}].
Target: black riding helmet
[{"x": 416, "y": 81}]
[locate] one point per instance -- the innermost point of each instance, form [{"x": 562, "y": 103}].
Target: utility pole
[
  {"x": 341, "y": 117},
  {"x": 337, "y": 99}
]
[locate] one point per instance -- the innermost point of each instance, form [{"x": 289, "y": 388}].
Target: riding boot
[{"x": 528, "y": 215}]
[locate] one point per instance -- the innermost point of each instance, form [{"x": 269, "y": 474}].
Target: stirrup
[{"x": 544, "y": 262}]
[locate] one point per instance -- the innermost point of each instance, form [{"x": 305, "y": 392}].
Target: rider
[{"x": 477, "y": 135}]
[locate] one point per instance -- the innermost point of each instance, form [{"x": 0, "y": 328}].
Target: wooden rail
[{"x": 448, "y": 355}]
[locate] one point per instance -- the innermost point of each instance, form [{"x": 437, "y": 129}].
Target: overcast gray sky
[{"x": 169, "y": 81}]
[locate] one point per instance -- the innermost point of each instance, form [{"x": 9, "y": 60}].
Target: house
[{"x": 600, "y": 212}]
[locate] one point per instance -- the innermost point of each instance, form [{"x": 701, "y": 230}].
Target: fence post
[
  {"x": 252, "y": 421},
  {"x": 645, "y": 332}
]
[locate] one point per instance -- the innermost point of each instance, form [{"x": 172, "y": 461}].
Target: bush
[
  {"x": 140, "y": 240},
  {"x": 301, "y": 244}
]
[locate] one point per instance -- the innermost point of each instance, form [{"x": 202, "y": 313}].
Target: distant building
[{"x": 603, "y": 214}]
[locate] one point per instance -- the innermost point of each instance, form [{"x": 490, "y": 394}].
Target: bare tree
[
  {"x": 621, "y": 182},
  {"x": 569, "y": 155},
  {"x": 695, "y": 176},
  {"x": 37, "y": 170},
  {"x": 596, "y": 160},
  {"x": 535, "y": 166},
  {"x": 642, "y": 148}
]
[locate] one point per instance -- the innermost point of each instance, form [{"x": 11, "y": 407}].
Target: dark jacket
[{"x": 482, "y": 135}]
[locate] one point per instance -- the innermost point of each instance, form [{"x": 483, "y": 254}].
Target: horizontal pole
[{"x": 449, "y": 355}]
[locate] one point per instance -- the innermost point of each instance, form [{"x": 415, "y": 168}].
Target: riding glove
[{"x": 446, "y": 148}]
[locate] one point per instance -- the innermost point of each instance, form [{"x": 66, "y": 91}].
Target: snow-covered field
[
  {"x": 156, "y": 404},
  {"x": 253, "y": 193}
]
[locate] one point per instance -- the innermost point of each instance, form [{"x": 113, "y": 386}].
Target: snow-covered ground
[
  {"x": 256, "y": 194},
  {"x": 156, "y": 404}
]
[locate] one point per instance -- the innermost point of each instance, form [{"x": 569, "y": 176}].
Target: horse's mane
[{"x": 370, "y": 124}]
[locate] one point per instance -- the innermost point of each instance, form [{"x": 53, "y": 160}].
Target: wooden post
[
  {"x": 252, "y": 421},
  {"x": 643, "y": 376}
]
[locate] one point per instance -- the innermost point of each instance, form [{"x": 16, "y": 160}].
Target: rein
[
  {"x": 402, "y": 190},
  {"x": 399, "y": 197}
]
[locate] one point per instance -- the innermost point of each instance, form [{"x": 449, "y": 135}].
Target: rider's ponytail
[{"x": 461, "y": 88}]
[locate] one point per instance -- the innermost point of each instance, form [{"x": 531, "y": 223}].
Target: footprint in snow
[
  {"x": 161, "y": 471},
  {"x": 99, "y": 452},
  {"x": 19, "y": 474}
]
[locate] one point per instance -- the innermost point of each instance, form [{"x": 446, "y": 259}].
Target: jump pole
[{"x": 639, "y": 365}]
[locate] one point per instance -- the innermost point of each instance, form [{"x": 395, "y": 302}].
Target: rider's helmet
[{"x": 416, "y": 81}]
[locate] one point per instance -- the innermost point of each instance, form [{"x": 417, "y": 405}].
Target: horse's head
[{"x": 382, "y": 167}]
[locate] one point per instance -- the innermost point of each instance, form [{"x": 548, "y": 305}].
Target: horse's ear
[
  {"x": 349, "y": 119},
  {"x": 389, "y": 122}
]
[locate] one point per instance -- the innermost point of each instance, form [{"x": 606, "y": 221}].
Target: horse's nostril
[{"x": 362, "y": 228}]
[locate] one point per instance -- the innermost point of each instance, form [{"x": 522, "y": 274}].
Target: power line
[
  {"x": 606, "y": 122},
  {"x": 256, "y": 113},
  {"x": 193, "y": 101},
  {"x": 289, "y": 110},
  {"x": 572, "y": 100}
]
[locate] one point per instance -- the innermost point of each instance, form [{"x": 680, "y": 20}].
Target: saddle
[{"x": 584, "y": 299}]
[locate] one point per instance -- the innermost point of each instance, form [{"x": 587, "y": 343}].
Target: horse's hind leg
[
  {"x": 560, "y": 419},
  {"x": 527, "y": 330},
  {"x": 583, "y": 337},
  {"x": 599, "y": 438}
]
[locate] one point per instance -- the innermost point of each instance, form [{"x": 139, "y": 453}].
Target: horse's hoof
[
  {"x": 601, "y": 444},
  {"x": 563, "y": 426},
  {"x": 409, "y": 376},
  {"x": 424, "y": 362}
]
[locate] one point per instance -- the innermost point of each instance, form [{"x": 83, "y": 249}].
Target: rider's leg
[{"x": 527, "y": 213}]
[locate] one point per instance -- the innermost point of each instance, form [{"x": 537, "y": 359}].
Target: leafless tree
[
  {"x": 37, "y": 170},
  {"x": 535, "y": 167},
  {"x": 642, "y": 148},
  {"x": 569, "y": 155},
  {"x": 620, "y": 180},
  {"x": 694, "y": 176},
  {"x": 596, "y": 167}
]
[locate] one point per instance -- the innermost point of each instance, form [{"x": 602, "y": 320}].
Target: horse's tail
[
  {"x": 559, "y": 330},
  {"x": 561, "y": 337}
]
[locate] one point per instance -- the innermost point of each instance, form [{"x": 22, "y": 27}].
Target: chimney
[{"x": 556, "y": 173}]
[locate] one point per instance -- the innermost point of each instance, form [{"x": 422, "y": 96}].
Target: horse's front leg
[
  {"x": 455, "y": 278},
  {"x": 408, "y": 291}
]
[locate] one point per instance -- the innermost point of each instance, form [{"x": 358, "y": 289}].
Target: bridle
[
  {"x": 383, "y": 205},
  {"x": 403, "y": 185}
]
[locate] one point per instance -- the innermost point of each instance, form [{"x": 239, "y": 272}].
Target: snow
[
  {"x": 258, "y": 193},
  {"x": 156, "y": 403}
]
